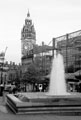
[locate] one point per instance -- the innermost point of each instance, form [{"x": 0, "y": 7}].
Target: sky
[{"x": 51, "y": 18}]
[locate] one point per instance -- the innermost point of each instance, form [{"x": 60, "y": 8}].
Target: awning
[
  {"x": 70, "y": 76},
  {"x": 67, "y": 76},
  {"x": 77, "y": 73}
]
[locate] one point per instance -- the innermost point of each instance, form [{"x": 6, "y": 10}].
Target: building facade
[
  {"x": 43, "y": 58},
  {"x": 70, "y": 48},
  {"x": 28, "y": 39}
]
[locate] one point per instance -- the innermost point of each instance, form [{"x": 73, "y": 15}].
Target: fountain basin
[{"x": 40, "y": 103}]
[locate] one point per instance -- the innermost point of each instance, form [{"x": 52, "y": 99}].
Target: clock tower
[{"x": 28, "y": 39}]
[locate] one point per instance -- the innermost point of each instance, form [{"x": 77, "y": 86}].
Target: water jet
[{"x": 57, "y": 80}]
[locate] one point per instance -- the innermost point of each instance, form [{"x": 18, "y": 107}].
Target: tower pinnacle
[{"x": 28, "y": 14}]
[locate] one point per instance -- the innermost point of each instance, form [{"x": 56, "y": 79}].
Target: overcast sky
[{"x": 51, "y": 18}]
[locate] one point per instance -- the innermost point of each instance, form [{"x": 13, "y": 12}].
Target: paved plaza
[{"x": 6, "y": 114}]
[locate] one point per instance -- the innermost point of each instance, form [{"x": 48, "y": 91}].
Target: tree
[{"x": 32, "y": 75}]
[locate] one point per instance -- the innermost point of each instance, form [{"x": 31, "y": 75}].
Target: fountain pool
[{"x": 56, "y": 100}]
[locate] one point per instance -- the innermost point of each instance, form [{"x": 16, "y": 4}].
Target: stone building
[
  {"x": 43, "y": 58},
  {"x": 28, "y": 39}
]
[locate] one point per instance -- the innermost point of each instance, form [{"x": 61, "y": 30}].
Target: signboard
[{"x": 40, "y": 87}]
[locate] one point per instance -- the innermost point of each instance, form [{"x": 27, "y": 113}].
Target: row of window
[{"x": 28, "y": 35}]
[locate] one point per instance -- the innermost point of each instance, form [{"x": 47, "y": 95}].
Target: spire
[{"x": 28, "y": 14}]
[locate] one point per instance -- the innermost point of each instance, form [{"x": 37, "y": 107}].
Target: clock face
[{"x": 25, "y": 47}]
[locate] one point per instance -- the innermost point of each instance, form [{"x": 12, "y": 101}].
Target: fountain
[
  {"x": 56, "y": 100},
  {"x": 57, "y": 80}
]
